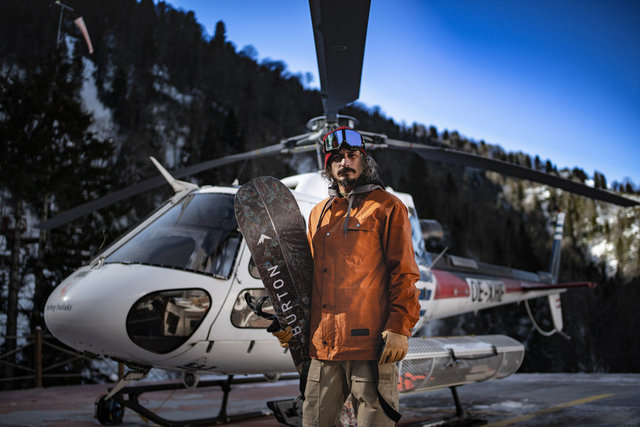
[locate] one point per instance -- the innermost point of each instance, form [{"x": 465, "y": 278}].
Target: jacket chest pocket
[
  {"x": 365, "y": 226},
  {"x": 360, "y": 233},
  {"x": 361, "y": 245}
]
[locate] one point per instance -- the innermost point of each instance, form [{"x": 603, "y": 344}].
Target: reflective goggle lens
[{"x": 335, "y": 139}]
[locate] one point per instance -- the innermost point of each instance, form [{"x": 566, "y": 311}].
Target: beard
[{"x": 345, "y": 180}]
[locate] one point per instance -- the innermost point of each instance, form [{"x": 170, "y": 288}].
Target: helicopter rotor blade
[
  {"x": 462, "y": 158},
  {"x": 339, "y": 30},
  {"x": 151, "y": 183}
]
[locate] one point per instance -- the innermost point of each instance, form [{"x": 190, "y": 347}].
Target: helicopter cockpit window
[
  {"x": 162, "y": 321},
  {"x": 243, "y": 317},
  {"x": 199, "y": 234}
]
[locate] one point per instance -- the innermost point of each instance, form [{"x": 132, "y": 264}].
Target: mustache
[{"x": 346, "y": 169}]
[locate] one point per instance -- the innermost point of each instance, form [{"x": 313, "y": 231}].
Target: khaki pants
[{"x": 330, "y": 382}]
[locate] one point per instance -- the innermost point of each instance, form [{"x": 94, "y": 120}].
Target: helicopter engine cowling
[{"x": 434, "y": 363}]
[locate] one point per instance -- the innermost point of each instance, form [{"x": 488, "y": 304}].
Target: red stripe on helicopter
[
  {"x": 449, "y": 285},
  {"x": 513, "y": 285},
  {"x": 455, "y": 285},
  {"x": 547, "y": 286}
]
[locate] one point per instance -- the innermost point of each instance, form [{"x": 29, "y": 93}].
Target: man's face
[{"x": 346, "y": 167}]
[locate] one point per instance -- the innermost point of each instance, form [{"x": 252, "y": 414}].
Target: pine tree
[{"x": 49, "y": 158}]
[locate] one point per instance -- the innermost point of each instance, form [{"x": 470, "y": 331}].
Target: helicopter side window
[
  {"x": 162, "y": 321},
  {"x": 198, "y": 234},
  {"x": 243, "y": 317}
]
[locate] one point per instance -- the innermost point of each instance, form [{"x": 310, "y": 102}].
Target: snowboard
[{"x": 274, "y": 230}]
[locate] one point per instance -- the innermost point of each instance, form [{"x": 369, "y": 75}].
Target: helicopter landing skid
[{"x": 111, "y": 411}]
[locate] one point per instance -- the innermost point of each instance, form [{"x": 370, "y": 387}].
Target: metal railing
[{"x": 37, "y": 372}]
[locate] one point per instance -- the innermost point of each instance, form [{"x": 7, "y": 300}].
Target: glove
[
  {"x": 395, "y": 347},
  {"x": 284, "y": 336}
]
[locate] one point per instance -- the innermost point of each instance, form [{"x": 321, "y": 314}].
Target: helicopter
[{"x": 171, "y": 293}]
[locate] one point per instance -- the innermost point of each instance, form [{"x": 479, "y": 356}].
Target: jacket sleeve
[{"x": 404, "y": 305}]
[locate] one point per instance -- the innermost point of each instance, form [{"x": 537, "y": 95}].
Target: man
[{"x": 363, "y": 289}]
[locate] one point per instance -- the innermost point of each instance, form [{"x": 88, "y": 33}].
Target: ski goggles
[{"x": 340, "y": 137}]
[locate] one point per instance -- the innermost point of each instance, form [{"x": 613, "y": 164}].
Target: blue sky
[{"x": 560, "y": 79}]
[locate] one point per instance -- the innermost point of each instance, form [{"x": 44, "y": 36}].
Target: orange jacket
[{"x": 363, "y": 283}]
